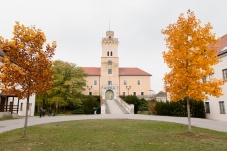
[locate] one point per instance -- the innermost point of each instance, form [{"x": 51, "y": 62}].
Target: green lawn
[{"x": 118, "y": 135}]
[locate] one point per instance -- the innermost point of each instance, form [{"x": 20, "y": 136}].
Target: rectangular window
[
  {"x": 109, "y": 83},
  {"x": 125, "y": 82},
  {"x": 207, "y": 107},
  {"x": 90, "y": 93},
  {"x": 123, "y": 93},
  {"x": 138, "y": 82},
  {"x": 204, "y": 79},
  {"x": 222, "y": 107},
  {"x": 134, "y": 93},
  {"x": 21, "y": 106},
  {"x": 109, "y": 71},
  {"x": 110, "y": 62},
  {"x": 224, "y": 72},
  {"x": 142, "y": 93},
  {"x": 95, "y": 82}
]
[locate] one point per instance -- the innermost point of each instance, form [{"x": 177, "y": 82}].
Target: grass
[
  {"x": 113, "y": 135},
  {"x": 7, "y": 118}
]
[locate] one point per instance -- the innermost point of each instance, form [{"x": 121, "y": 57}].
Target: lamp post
[
  {"x": 128, "y": 87},
  {"x": 89, "y": 89}
]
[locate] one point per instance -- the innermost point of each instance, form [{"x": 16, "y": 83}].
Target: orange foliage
[
  {"x": 190, "y": 56},
  {"x": 27, "y": 67}
]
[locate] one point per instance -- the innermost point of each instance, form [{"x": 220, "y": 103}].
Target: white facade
[
  {"x": 22, "y": 105},
  {"x": 216, "y": 107},
  {"x": 11, "y": 104}
]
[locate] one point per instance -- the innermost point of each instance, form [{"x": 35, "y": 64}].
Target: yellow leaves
[
  {"x": 27, "y": 65},
  {"x": 190, "y": 57}
]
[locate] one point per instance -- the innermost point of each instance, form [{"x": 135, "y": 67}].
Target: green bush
[
  {"x": 139, "y": 104},
  {"x": 179, "y": 108},
  {"x": 90, "y": 104},
  {"x": 78, "y": 111}
]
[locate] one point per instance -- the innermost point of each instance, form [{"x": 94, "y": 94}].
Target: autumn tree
[
  {"x": 26, "y": 69},
  {"x": 190, "y": 57},
  {"x": 69, "y": 82}
]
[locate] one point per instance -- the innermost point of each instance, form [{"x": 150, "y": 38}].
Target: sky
[{"x": 78, "y": 26}]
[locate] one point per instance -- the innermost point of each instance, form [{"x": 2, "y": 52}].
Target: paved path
[
  {"x": 8, "y": 125},
  {"x": 114, "y": 108}
]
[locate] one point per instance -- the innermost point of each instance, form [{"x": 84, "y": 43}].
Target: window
[
  {"x": 224, "y": 72},
  {"x": 125, "y": 82},
  {"x": 142, "y": 93},
  {"x": 123, "y": 93},
  {"x": 21, "y": 106},
  {"x": 134, "y": 93},
  {"x": 90, "y": 93},
  {"x": 207, "y": 107},
  {"x": 108, "y": 53},
  {"x": 138, "y": 82},
  {"x": 222, "y": 107},
  {"x": 111, "y": 54},
  {"x": 110, "y": 62},
  {"x": 95, "y": 82},
  {"x": 109, "y": 83},
  {"x": 109, "y": 71},
  {"x": 204, "y": 79}
]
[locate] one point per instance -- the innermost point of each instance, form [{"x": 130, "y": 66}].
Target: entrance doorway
[{"x": 109, "y": 95}]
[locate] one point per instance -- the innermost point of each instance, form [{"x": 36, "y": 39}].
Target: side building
[
  {"x": 110, "y": 80},
  {"x": 11, "y": 104},
  {"x": 215, "y": 108}
]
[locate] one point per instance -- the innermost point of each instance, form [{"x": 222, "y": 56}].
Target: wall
[
  {"x": 132, "y": 81},
  {"x": 213, "y": 101},
  {"x": 90, "y": 82},
  {"x": 22, "y": 105}
]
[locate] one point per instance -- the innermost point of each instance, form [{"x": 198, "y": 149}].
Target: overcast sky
[{"x": 79, "y": 25}]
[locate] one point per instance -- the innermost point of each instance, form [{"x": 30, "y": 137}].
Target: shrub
[{"x": 179, "y": 108}]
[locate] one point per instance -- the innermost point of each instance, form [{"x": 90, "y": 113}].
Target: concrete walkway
[
  {"x": 114, "y": 108},
  {"x": 8, "y": 125}
]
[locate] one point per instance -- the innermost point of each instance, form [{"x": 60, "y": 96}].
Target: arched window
[
  {"x": 111, "y": 54},
  {"x": 109, "y": 62},
  {"x": 108, "y": 53}
]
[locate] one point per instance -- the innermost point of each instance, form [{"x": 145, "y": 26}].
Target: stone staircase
[
  {"x": 117, "y": 106},
  {"x": 121, "y": 107}
]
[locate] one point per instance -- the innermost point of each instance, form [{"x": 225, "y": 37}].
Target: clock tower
[{"x": 109, "y": 79}]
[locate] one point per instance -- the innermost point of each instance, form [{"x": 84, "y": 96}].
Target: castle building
[
  {"x": 215, "y": 108},
  {"x": 110, "y": 80}
]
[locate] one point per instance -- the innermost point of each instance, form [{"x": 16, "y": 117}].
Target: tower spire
[{"x": 109, "y": 25}]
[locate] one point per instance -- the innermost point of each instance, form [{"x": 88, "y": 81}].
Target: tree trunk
[
  {"x": 189, "y": 115},
  {"x": 26, "y": 118}
]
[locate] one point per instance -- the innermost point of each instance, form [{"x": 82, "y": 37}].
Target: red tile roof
[
  {"x": 92, "y": 71},
  {"x": 222, "y": 43},
  {"x": 95, "y": 71},
  {"x": 132, "y": 72}
]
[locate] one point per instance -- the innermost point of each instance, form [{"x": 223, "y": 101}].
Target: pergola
[{"x": 4, "y": 103}]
